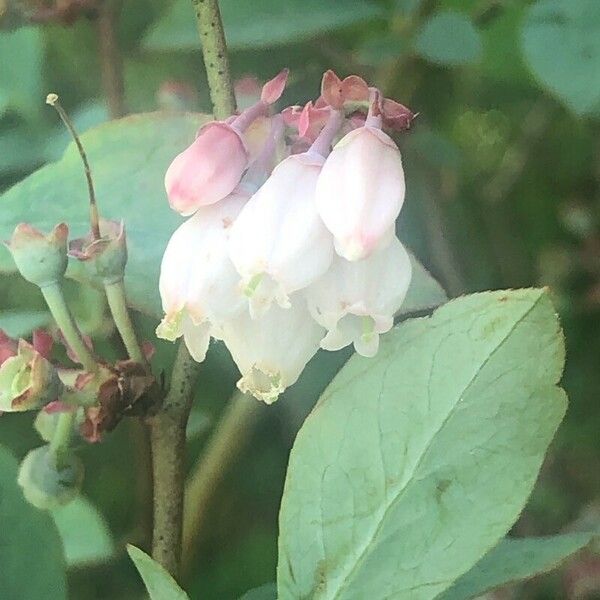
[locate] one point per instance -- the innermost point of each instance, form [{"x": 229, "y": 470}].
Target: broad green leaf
[
  {"x": 128, "y": 158},
  {"x": 261, "y": 23},
  {"x": 516, "y": 559},
  {"x": 561, "y": 43},
  {"x": 158, "y": 582},
  {"x": 415, "y": 463},
  {"x": 85, "y": 535},
  {"x": 268, "y": 591},
  {"x": 20, "y": 323},
  {"x": 30, "y": 548},
  {"x": 449, "y": 38},
  {"x": 21, "y": 71}
]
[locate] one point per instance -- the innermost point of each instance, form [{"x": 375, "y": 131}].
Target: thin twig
[
  {"x": 216, "y": 60},
  {"x": 168, "y": 462}
]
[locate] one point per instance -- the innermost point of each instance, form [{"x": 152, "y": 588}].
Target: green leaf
[
  {"x": 20, "y": 323},
  {"x": 415, "y": 463},
  {"x": 261, "y": 23},
  {"x": 516, "y": 559},
  {"x": 160, "y": 585},
  {"x": 85, "y": 535},
  {"x": 268, "y": 591},
  {"x": 31, "y": 552},
  {"x": 562, "y": 47},
  {"x": 21, "y": 71},
  {"x": 128, "y": 159},
  {"x": 449, "y": 38}
]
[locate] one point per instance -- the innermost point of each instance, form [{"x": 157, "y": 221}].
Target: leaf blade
[{"x": 337, "y": 537}]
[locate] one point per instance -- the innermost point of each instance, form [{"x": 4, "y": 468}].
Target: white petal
[
  {"x": 360, "y": 191},
  {"x": 278, "y": 237},
  {"x": 272, "y": 351},
  {"x": 356, "y": 301},
  {"x": 197, "y": 338}
]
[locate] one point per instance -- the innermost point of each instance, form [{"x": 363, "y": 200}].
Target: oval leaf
[
  {"x": 415, "y": 463},
  {"x": 562, "y": 47}
]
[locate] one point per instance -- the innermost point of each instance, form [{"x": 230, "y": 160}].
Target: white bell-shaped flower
[
  {"x": 272, "y": 351},
  {"x": 199, "y": 285},
  {"x": 361, "y": 190},
  {"x": 356, "y": 300},
  {"x": 279, "y": 243}
]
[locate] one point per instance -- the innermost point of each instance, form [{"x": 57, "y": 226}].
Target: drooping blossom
[
  {"x": 356, "y": 300},
  {"x": 273, "y": 350}
]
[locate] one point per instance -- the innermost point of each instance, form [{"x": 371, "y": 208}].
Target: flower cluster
[{"x": 291, "y": 242}]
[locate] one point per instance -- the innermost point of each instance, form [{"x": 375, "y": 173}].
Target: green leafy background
[{"x": 503, "y": 192}]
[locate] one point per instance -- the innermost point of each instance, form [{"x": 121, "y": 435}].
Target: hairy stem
[
  {"x": 216, "y": 60},
  {"x": 225, "y": 444},
  {"x": 168, "y": 458},
  {"x": 117, "y": 302},
  {"x": 55, "y": 299}
]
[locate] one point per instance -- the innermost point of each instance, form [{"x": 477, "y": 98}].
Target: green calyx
[
  {"x": 27, "y": 381},
  {"x": 41, "y": 259}
]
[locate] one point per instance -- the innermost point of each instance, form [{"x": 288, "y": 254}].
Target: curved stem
[
  {"x": 55, "y": 299},
  {"x": 225, "y": 444},
  {"x": 216, "y": 60},
  {"x": 168, "y": 457},
  {"x": 117, "y": 302}
]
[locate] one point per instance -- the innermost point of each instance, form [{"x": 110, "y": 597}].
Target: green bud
[
  {"x": 41, "y": 259},
  {"x": 107, "y": 255},
  {"x": 47, "y": 485},
  {"x": 27, "y": 380}
]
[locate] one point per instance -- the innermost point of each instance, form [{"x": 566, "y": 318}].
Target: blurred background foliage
[{"x": 503, "y": 176}]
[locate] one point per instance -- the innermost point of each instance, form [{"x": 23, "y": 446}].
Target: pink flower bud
[
  {"x": 360, "y": 191},
  {"x": 278, "y": 243},
  {"x": 273, "y": 350},
  {"x": 356, "y": 301},
  {"x": 199, "y": 285},
  {"x": 208, "y": 170}
]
